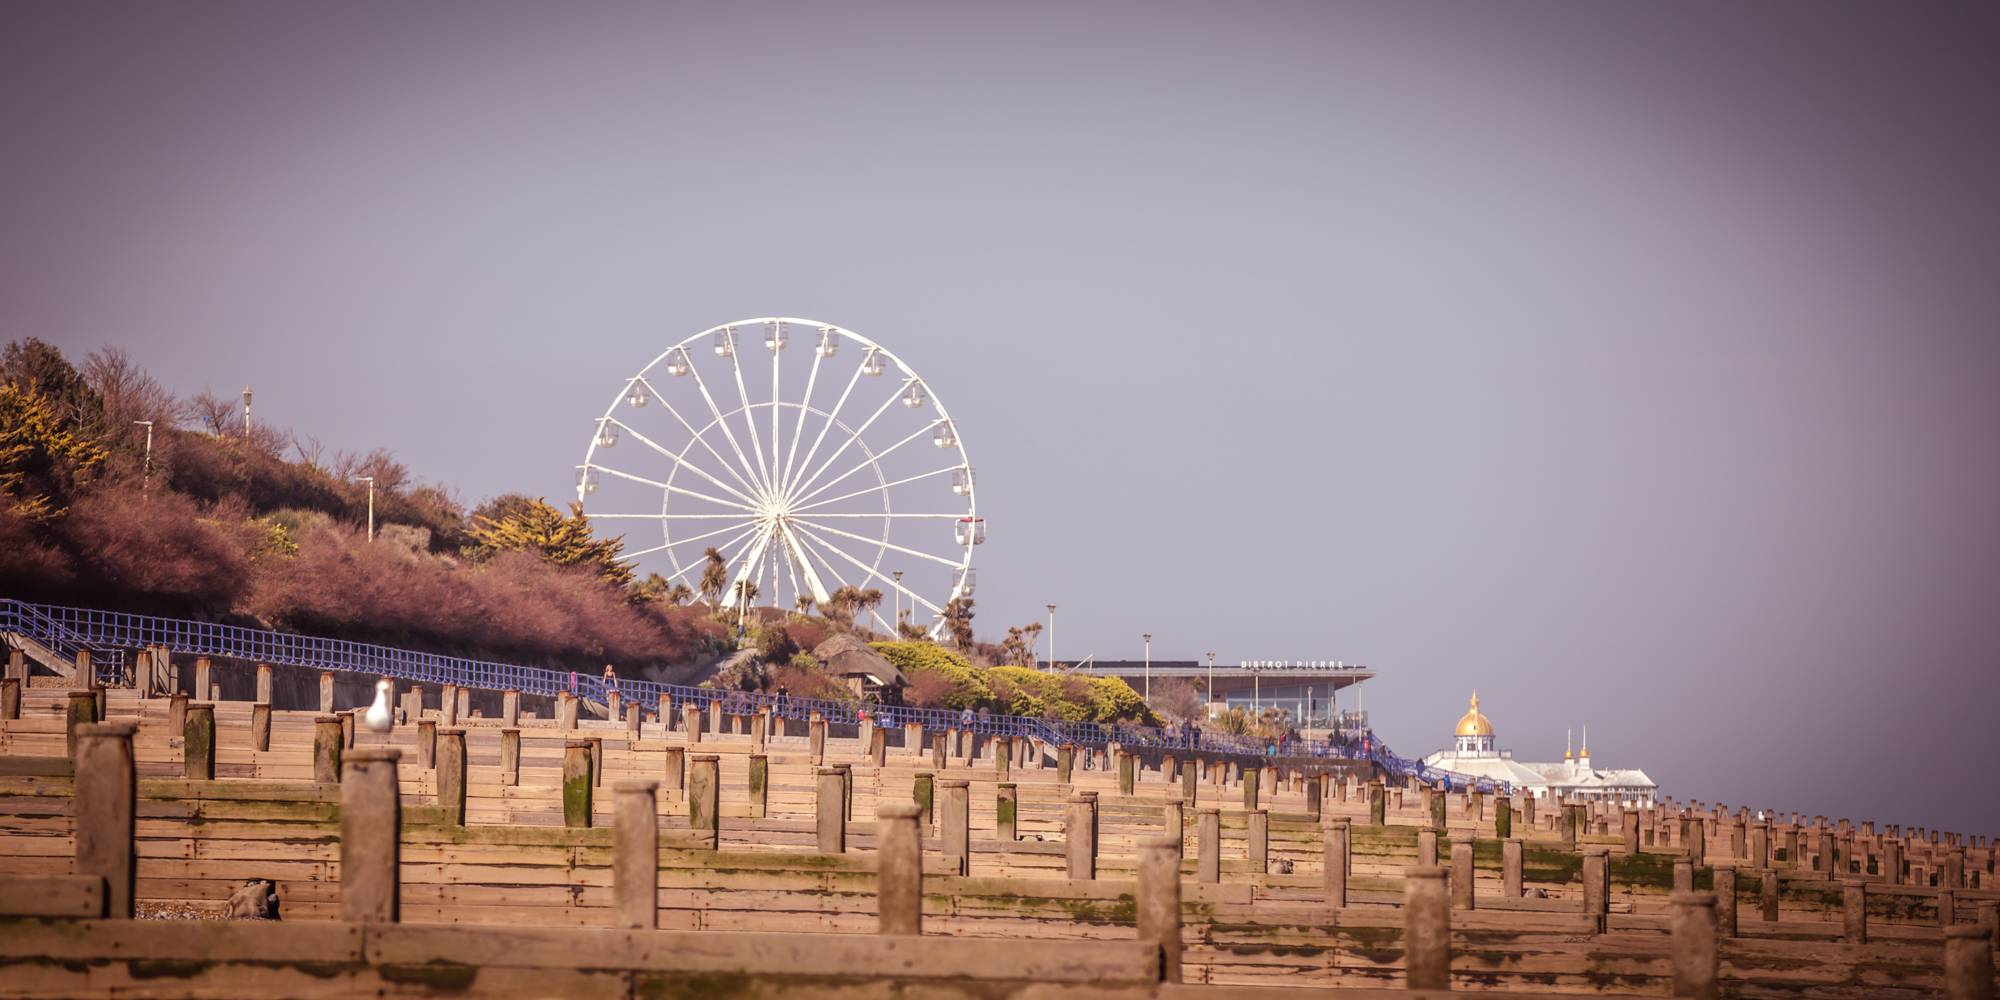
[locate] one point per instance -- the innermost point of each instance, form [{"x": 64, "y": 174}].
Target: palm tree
[
  {"x": 804, "y": 604},
  {"x": 714, "y": 577},
  {"x": 958, "y": 620},
  {"x": 870, "y": 598},
  {"x": 679, "y": 594},
  {"x": 841, "y": 604}
]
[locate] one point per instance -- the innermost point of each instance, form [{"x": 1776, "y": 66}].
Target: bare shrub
[{"x": 161, "y": 545}]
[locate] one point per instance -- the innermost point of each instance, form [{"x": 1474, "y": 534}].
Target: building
[
  {"x": 1474, "y": 752},
  {"x": 1318, "y": 694}
]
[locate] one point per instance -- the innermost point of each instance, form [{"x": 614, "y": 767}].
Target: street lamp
[
  {"x": 148, "y": 424},
  {"x": 1211, "y": 685},
  {"x": 1149, "y": 669},
  {"x": 1052, "y": 637},
  {"x": 897, "y": 610},
  {"x": 246, "y": 413},
  {"x": 370, "y": 480}
]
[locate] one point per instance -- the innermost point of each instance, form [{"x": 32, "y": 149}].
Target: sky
[{"x": 1630, "y": 364}]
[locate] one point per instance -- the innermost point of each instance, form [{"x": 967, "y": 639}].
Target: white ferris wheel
[{"x": 838, "y": 476}]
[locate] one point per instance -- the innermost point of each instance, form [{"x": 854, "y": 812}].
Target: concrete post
[
  {"x": 1078, "y": 839},
  {"x": 82, "y": 712},
  {"x": 1378, "y": 803},
  {"x": 955, "y": 825},
  {"x": 1208, "y": 845},
  {"x": 1427, "y": 847},
  {"x": 325, "y": 686},
  {"x": 924, "y": 793},
  {"x": 816, "y": 739},
  {"x": 1335, "y": 850},
  {"x": 635, "y": 854},
  {"x": 451, "y": 775},
  {"x": 105, "y": 805},
  {"x": 1767, "y": 894},
  {"x": 1426, "y": 929},
  {"x": 1461, "y": 871},
  {"x": 1065, "y": 762},
  {"x": 1258, "y": 848},
  {"x": 1968, "y": 962},
  {"x": 510, "y": 757},
  {"x": 1005, "y": 804},
  {"x": 1173, "y": 820},
  {"x": 1725, "y": 900},
  {"x": 576, "y": 784},
  {"x": 899, "y": 873},
  {"x": 427, "y": 730},
  {"x": 674, "y": 776},
  {"x": 1003, "y": 756},
  {"x": 1249, "y": 788},
  {"x": 1159, "y": 901},
  {"x": 1510, "y": 868},
  {"x": 1694, "y": 948},
  {"x": 371, "y": 821},
  {"x": 829, "y": 810},
  {"x": 705, "y": 799},
  {"x": 198, "y": 743},
  {"x": 596, "y": 760},
  {"x": 510, "y": 709},
  {"x": 10, "y": 698}
]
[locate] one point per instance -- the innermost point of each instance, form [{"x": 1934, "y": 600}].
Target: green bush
[
  {"x": 926, "y": 664},
  {"x": 1014, "y": 690}
]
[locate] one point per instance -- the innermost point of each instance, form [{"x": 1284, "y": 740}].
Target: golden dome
[{"x": 1474, "y": 724}]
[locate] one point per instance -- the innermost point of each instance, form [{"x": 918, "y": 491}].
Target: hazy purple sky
[{"x": 1633, "y": 363}]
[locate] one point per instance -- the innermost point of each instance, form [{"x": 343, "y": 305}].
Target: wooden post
[
  {"x": 1694, "y": 948},
  {"x": 263, "y": 684},
  {"x": 260, "y": 727},
  {"x": 1683, "y": 875},
  {"x": 955, "y": 825},
  {"x": 325, "y": 685},
  {"x": 204, "y": 687},
  {"x": 1853, "y": 910},
  {"x": 634, "y": 718},
  {"x": 346, "y": 716},
  {"x": 1968, "y": 962},
  {"x": 1003, "y": 756},
  {"x": 1378, "y": 803},
  {"x": 924, "y": 794},
  {"x": 913, "y": 738},
  {"x": 715, "y": 716},
  {"x": 1004, "y": 806},
  {"x": 1427, "y": 846},
  {"x": 82, "y": 712},
  {"x": 1510, "y": 868},
  {"x": 448, "y": 706},
  {"x": 1597, "y": 884},
  {"x": 1065, "y": 762},
  {"x": 510, "y": 757},
  {"x": 427, "y": 733},
  {"x": 198, "y": 743},
  {"x": 1461, "y": 871},
  {"x": 1249, "y": 788},
  {"x": 177, "y": 705},
  {"x": 596, "y": 760},
  {"x": 635, "y": 854},
  {"x": 760, "y": 785},
  {"x": 846, "y": 791},
  {"x": 760, "y": 729},
  {"x": 899, "y": 870},
  {"x": 1768, "y": 894},
  {"x": 565, "y": 710},
  {"x": 614, "y": 707},
  {"x": 510, "y": 709},
  {"x": 705, "y": 799},
  {"x": 691, "y": 721},
  {"x": 674, "y": 777},
  {"x": 1159, "y": 901},
  {"x": 1190, "y": 778},
  {"x": 1079, "y": 848},
  {"x": 371, "y": 822},
  {"x": 1335, "y": 852},
  {"x": 10, "y": 698},
  {"x": 1503, "y": 816},
  {"x": 1208, "y": 845},
  {"x": 1173, "y": 819},
  {"x": 451, "y": 775},
  {"x": 105, "y": 805},
  {"x": 1426, "y": 929},
  {"x": 829, "y": 806},
  {"x": 1258, "y": 847},
  {"x": 878, "y": 748},
  {"x": 1313, "y": 797},
  {"x": 1127, "y": 768},
  {"x": 816, "y": 738},
  {"x": 576, "y": 784},
  {"x": 938, "y": 751}
]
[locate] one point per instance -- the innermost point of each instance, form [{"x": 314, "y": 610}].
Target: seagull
[{"x": 378, "y": 719}]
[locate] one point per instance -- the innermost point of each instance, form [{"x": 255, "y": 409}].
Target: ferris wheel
[{"x": 838, "y": 476}]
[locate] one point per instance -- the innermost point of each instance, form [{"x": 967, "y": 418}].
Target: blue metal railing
[
  {"x": 111, "y": 631},
  {"x": 35, "y": 622}
]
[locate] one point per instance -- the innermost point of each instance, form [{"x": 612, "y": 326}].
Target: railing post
[
  {"x": 635, "y": 854},
  {"x": 1079, "y": 844},
  {"x": 371, "y": 820},
  {"x": 576, "y": 784},
  {"x": 899, "y": 870},
  {"x": 1159, "y": 901},
  {"x": 1694, "y": 948},
  {"x": 705, "y": 800},
  {"x": 955, "y": 823},
  {"x": 1005, "y": 803},
  {"x": 82, "y": 712},
  {"x": 451, "y": 775},
  {"x": 1426, "y": 929},
  {"x": 1461, "y": 871},
  {"x": 198, "y": 743},
  {"x": 105, "y": 806},
  {"x": 510, "y": 757},
  {"x": 327, "y": 748},
  {"x": 1335, "y": 852}
]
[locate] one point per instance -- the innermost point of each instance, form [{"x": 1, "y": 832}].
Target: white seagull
[{"x": 378, "y": 719}]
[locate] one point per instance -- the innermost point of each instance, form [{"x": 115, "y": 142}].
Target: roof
[
  {"x": 846, "y": 656},
  {"x": 1474, "y": 724}
]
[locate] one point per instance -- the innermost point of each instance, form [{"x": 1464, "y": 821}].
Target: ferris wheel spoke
[
  {"x": 852, "y": 436},
  {"x": 752, "y": 558},
  {"x": 668, "y": 517},
  {"x": 799, "y": 430},
  {"x": 872, "y": 574},
  {"x": 702, "y": 537},
  {"x": 749, "y": 415},
  {"x": 796, "y": 551},
  {"x": 684, "y": 463},
  {"x": 697, "y": 564},
  {"x": 872, "y": 489},
  {"x": 675, "y": 489},
  {"x": 833, "y": 414},
  {"x": 829, "y": 529},
  {"x": 734, "y": 445},
  {"x": 873, "y": 458},
  {"x": 888, "y": 515},
  {"x": 696, "y": 435},
  {"x": 776, "y": 412}
]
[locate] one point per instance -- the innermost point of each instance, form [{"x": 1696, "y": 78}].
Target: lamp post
[
  {"x": 897, "y": 609},
  {"x": 246, "y": 413},
  {"x": 1211, "y": 685},
  {"x": 148, "y": 424},
  {"x": 370, "y": 480},
  {"x": 1052, "y": 638},
  {"x": 1149, "y": 669}
]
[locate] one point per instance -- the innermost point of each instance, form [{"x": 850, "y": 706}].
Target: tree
[
  {"x": 714, "y": 577},
  {"x": 804, "y": 603},
  {"x": 958, "y": 621},
  {"x": 870, "y": 599},
  {"x": 559, "y": 540},
  {"x": 41, "y": 459},
  {"x": 746, "y": 593},
  {"x": 679, "y": 594},
  {"x": 776, "y": 647}
]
